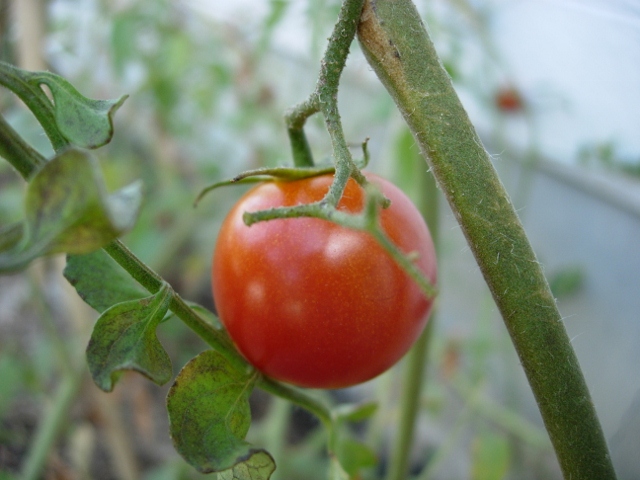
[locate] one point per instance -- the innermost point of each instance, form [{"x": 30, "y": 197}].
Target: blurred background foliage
[{"x": 208, "y": 86}]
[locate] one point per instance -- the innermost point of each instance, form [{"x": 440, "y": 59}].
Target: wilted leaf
[
  {"x": 124, "y": 338},
  {"x": 209, "y": 417},
  {"x": 100, "y": 281},
  {"x": 68, "y": 210},
  {"x": 258, "y": 466}
]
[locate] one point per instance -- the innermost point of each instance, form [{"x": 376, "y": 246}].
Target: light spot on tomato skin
[
  {"x": 342, "y": 244},
  {"x": 255, "y": 292}
]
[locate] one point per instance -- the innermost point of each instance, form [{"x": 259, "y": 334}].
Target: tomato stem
[
  {"x": 324, "y": 99},
  {"x": 400, "y": 51},
  {"x": 299, "y": 397}
]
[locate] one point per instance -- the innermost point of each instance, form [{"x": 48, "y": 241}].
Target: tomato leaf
[
  {"x": 354, "y": 455},
  {"x": 68, "y": 210},
  {"x": 336, "y": 472},
  {"x": 124, "y": 338},
  {"x": 100, "y": 281},
  {"x": 82, "y": 121},
  {"x": 355, "y": 412},
  {"x": 209, "y": 417}
]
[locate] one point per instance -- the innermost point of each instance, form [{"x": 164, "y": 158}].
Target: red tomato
[
  {"x": 315, "y": 304},
  {"x": 508, "y": 100}
]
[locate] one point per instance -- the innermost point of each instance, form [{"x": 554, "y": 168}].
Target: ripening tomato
[
  {"x": 313, "y": 303},
  {"x": 509, "y": 100}
]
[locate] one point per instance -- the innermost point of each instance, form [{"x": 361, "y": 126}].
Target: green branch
[
  {"x": 416, "y": 360},
  {"x": 398, "y": 48},
  {"x": 324, "y": 99}
]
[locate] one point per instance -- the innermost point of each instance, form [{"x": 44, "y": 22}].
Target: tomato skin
[{"x": 312, "y": 303}]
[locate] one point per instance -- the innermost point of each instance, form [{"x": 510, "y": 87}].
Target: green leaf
[
  {"x": 100, "y": 281},
  {"x": 82, "y": 121},
  {"x": 209, "y": 417},
  {"x": 124, "y": 338},
  {"x": 490, "y": 457},
  {"x": 336, "y": 472},
  {"x": 355, "y": 412},
  {"x": 68, "y": 210},
  {"x": 354, "y": 456}
]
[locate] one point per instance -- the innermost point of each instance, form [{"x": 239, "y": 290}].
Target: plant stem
[
  {"x": 300, "y": 149},
  {"x": 24, "y": 158},
  {"x": 416, "y": 360},
  {"x": 409, "y": 404},
  {"x": 400, "y": 51},
  {"x": 325, "y": 99},
  {"x": 51, "y": 425},
  {"x": 299, "y": 397}
]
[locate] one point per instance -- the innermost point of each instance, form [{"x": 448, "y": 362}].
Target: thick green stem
[{"x": 398, "y": 48}]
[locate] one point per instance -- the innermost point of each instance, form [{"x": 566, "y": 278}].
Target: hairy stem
[
  {"x": 324, "y": 99},
  {"x": 400, "y": 51}
]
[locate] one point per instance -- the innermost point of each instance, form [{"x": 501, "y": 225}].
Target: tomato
[
  {"x": 313, "y": 303},
  {"x": 508, "y": 100}
]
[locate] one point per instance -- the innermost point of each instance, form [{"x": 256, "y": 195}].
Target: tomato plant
[{"x": 313, "y": 303}]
